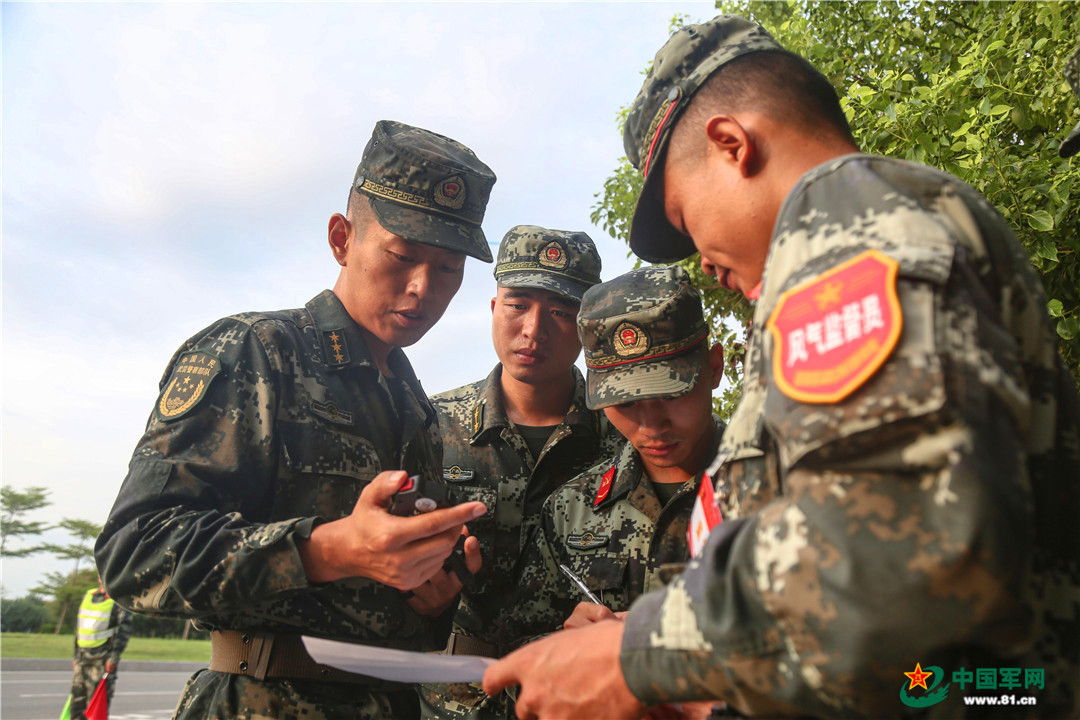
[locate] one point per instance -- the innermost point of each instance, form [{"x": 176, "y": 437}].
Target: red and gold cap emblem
[
  {"x": 553, "y": 255},
  {"x": 451, "y": 192},
  {"x": 832, "y": 333},
  {"x": 630, "y": 340}
]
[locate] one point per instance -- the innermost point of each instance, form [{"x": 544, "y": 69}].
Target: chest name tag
[
  {"x": 703, "y": 518},
  {"x": 587, "y": 541},
  {"x": 832, "y": 333},
  {"x": 190, "y": 379}
]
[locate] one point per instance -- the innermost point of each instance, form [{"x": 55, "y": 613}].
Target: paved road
[{"x": 40, "y": 694}]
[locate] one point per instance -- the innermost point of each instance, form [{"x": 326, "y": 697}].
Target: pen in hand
[{"x": 577, "y": 581}]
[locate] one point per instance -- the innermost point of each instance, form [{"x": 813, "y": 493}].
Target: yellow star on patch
[
  {"x": 918, "y": 678},
  {"x": 829, "y": 295}
]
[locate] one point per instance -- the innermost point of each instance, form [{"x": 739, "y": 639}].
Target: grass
[{"x": 28, "y": 645}]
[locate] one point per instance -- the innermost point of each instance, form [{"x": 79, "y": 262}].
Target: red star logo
[{"x": 918, "y": 678}]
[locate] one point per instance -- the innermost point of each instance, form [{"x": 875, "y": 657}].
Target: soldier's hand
[
  {"x": 587, "y": 613},
  {"x": 547, "y": 693},
  {"x": 435, "y": 595},
  {"x": 110, "y": 666},
  {"x": 402, "y": 552}
]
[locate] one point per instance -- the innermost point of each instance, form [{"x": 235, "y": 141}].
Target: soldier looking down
[
  {"x": 256, "y": 502},
  {"x": 621, "y": 526},
  {"x": 898, "y": 487},
  {"x": 514, "y": 437}
]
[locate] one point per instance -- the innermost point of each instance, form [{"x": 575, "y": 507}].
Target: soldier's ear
[
  {"x": 339, "y": 233},
  {"x": 715, "y": 358},
  {"x": 731, "y": 143}
]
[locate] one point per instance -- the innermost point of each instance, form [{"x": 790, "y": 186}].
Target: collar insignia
[
  {"x": 337, "y": 351},
  {"x": 605, "y": 486}
]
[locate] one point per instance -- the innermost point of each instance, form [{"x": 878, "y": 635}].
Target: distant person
[
  {"x": 256, "y": 502},
  {"x": 102, "y": 632},
  {"x": 518, "y": 434},
  {"x": 622, "y": 526}
]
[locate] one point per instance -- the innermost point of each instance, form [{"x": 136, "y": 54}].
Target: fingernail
[{"x": 479, "y": 510}]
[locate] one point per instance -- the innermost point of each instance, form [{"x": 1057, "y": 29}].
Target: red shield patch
[{"x": 832, "y": 333}]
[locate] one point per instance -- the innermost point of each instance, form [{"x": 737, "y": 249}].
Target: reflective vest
[{"x": 93, "y": 628}]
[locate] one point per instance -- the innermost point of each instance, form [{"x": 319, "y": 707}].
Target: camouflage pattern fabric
[
  {"x": 627, "y": 545},
  {"x": 486, "y": 459},
  {"x": 90, "y": 662},
  {"x": 928, "y": 517},
  {"x": 292, "y": 421}
]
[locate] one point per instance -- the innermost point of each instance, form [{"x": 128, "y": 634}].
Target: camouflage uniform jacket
[
  {"x": 487, "y": 460},
  {"x": 292, "y": 427},
  {"x": 929, "y": 517},
  {"x": 621, "y": 547},
  {"x": 114, "y": 647}
]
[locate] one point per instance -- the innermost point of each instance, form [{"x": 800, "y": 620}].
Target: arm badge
[
  {"x": 833, "y": 332},
  {"x": 191, "y": 377}
]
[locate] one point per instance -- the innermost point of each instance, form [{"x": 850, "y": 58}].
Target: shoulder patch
[
  {"x": 191, "y": 377},
  {"x": 832, "y": 333},
  {"x": 605, "y": 486},
  {"x": 586, "y": 541}
]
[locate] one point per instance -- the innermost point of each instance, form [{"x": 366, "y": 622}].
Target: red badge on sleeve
[
  {"x": 605, "y": 486},
  {"x": 832, "y": 333}
]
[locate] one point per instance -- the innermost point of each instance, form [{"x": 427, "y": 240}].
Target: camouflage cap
[
  {"x": 1072, "y": 73},
  {"x": 644, "y": 336},
  {"x": 426, "y": 187},
  {"x": 681, "y": 66},
  {"x": 561, "y": 261}
]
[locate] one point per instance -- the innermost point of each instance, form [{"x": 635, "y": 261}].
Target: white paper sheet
[{"x": 396, "y": 665}]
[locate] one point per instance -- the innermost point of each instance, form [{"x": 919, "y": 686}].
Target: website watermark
[{"x": 1013, "y": 686}]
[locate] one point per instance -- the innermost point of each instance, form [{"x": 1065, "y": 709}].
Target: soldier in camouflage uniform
[
  {"x": 102, "y": 631},
  {"x": 514, "y": 437},
  {"x": 256, "y": 501},
  {"x": 621, "y": 526},
  {"x": 899, "y": 484}
]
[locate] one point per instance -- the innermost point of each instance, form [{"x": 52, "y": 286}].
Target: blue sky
[{"x": 168, "y": 164}]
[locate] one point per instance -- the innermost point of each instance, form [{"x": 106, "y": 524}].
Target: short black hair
[
  {"x": 359, "y": 212},
  {"x": 778, "y": 83}
]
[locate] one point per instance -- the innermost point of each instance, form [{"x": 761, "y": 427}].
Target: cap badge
[
  {"x": 552, "y": 255},
  {"x": 630, "y": 340},
  {"x": 451, "y": 192}
]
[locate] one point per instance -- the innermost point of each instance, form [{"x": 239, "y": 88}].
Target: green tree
[
  {"x": 23, "y": 615},
  {"x": 69, "y": 589},
  {"x": 14, "y": 506},
  {"x": 973, "y": 88},
  {"x": 66, "y": 591}
]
